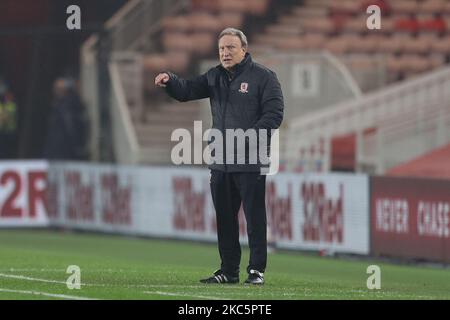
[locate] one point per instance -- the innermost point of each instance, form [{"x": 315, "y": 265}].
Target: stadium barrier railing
[{"x": 426, "y": 97}]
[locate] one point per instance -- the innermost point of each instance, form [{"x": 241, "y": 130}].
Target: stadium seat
[
  {"x": 365, "y": 44},
  {"x": 155, "y": 62},
  {"x": 202, "y": 43},
  {"x": 233, "y": 6},
  {"x": 208, "y": 5},
  {"x": 441, "y": 46},
  {"x": 314, "y": 41},
  {"x": 447, "y": 22},
  {"x": 318, "y": 3},
  {"x": 178, "y": 61},
  {"x": 414, "y": 64},
  {"x": 310, "y": 12},
  {"x": 231, "y": 19},
  {"x": 353, "y": 41},
  {"x": 387, "y": 26},
  {"x": 177, "y": 23},
  {"x": 360, "y": 61},
  {"x": 447, "y": 7},
  {"x": 267, "y": 39},
  {"x": 382, "y": 4},
  {"x": 432, "y": 6},
  {"x": 257, "y": 7},
  {"x": 407, "y": 24},
  {"x": 404, "y": 6},
  {"x": 289, "y": 20},
  {"x": 283, "y": 30},
  {"x": 292, "y": 44},
  {"x": 421, "y": 44},
  {"x": 337, "y": 45},
  {"x": 358, "y": 24},
  {"x": 261, "y": 49},
  {"x": 351, "y": 7},
  {"x": 428, "y": 22},
  {"x": 203, "y": 21},
  {"x": 317, "y": 25},
  {"x": 395, "y": 64},
  {"x": 394, "y": 43},
  {"x": 339, "y": 20},
  {"x": 176, "y": 41},
  {"x": 437, "y": 60}
]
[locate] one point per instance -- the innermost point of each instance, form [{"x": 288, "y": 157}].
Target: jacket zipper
[{"x": 229, "y": 80}]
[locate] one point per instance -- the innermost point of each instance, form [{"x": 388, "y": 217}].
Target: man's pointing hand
[{"x": 161, "y": 79}]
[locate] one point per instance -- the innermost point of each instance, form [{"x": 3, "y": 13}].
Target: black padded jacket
[{"x": 249, "y": 97}]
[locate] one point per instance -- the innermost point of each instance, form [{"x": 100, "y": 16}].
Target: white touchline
[
  {"x": 60, "y": 270},
  {"x": 182, "y": 295},
  {"x": 53, "y": 295},
  {"x": 31, "y": 270},
  {"x": 13, "y": 276},
  {"x": 19, "y": 277},
  {"x": 181, "y": 286}
]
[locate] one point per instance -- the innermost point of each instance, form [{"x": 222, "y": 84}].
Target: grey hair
[{"x": 237, "y": 33}]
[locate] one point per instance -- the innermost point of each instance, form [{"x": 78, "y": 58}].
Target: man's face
[
  {"x": 231, "y": 51},
  {"x": 59, "y": 88}
]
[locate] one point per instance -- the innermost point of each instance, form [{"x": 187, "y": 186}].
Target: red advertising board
[
  {"x": 23, "y": 193},
  {"x": 410, "y": 218}
]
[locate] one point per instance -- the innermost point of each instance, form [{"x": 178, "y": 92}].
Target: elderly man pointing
[{"x": 243, "y": 95}]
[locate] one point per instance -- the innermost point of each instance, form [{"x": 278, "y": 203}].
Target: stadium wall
[
  {"x": 305, "y": 211},
  {"x": 410, "y": 218}
]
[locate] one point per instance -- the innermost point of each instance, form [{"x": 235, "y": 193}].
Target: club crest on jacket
[{"x": 244, "y": 87}]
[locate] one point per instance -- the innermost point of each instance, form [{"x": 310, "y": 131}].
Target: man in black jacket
[{"x": 246, "y": 98}]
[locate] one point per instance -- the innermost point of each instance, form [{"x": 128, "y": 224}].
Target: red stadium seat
[
  {"x": 432, "y": 6},
  {"x": 434, "y": 24},
  {"x": 257, "y": 7},
  {"x": 382, "y": 4},
  {"x": 337, "y": 45},
  {"x": 404, "y": 6},
  {"x": 203, "y": 21},
  {"x": 202, "y": 43},
  {"x": 409, "y": 25}
]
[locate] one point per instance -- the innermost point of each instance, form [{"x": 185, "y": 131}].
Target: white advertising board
[{"x": 304, "y": 211}]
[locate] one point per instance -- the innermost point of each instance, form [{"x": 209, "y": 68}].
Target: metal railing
[
  {"x": 132, "y": 26},
  {"x": 130, "y": 29},
  {"x": 126, "y": 148},
  {"x": 404, "y": 120},
  {"x": 89, "y": 92}
]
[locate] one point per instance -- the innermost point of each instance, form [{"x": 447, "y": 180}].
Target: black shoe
[
  {"x": 220, "y": 277},
  {"x": 255, "y": 277}
]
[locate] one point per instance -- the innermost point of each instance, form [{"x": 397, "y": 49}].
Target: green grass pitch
[{"x": 33, "y": 265}]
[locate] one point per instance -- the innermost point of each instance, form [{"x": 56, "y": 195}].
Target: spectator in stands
[
  {"x": 67, "y": 127},
  {"x": 243, "y": 95},
  {"x": 8, "y": 121}
]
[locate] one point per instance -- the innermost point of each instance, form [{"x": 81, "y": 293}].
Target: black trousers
[{"x": 228, "y": 190}]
